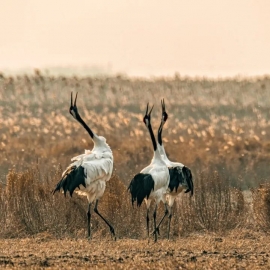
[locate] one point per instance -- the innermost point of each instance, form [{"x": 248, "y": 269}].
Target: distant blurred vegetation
[
  {"x": 218, "y": 128},
  {"x": 220, "y": 125}
]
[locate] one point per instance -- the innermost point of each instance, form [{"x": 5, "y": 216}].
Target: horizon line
[{"x": 100, "y": 71}]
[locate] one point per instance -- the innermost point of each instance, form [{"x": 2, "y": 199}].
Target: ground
[{"x": 237, "y": 250}]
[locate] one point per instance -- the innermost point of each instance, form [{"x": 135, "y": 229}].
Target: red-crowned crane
[
  {"x": 90, "y": 171},
  {"x": 180, "y": 175},
  {"x": 152, "y": 182}
]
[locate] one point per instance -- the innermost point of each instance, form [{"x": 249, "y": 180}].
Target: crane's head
[
  {"x": 73, "y": 108},
  {"x": 147, "y": 117},
  {"x": 164, "y": 116}
]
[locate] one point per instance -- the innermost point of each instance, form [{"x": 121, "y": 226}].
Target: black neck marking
[
  {"x": 80, "y": 120},
  {"x": 160, "y": 134},
  {"x": 152, "y": 136}
]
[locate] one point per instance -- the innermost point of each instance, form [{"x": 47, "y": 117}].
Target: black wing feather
[
  {"x": 176, "y": 178},
  {"x": 181, "y": 176},
  {"x": 72, "y": 179},
  {"x": 189, "y": 180},
  {"x": 140, "y": 187}
]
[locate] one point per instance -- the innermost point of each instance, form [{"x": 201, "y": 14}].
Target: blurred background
[
  {"x": 142, "y": 38},
  {"x": 208, "y": 59}
]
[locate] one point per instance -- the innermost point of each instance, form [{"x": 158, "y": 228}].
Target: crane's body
[
  {"x": 152, "y": 182},
  {"x": 90, "y": 171},
  {"x": 180, "y": 176},
  {"x": 159, "y": 173}
]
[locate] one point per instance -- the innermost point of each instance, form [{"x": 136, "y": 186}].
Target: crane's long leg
[
  {"x": 88, "y": 220},
  {"x": 155, "y": 228},
  {"x": 110, "y": 226},
  {"x": 165, "y": 214},
  {"x": 169, "y": 223}
]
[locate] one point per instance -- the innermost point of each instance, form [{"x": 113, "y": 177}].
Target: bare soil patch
[{"x": 237, "y": 250}]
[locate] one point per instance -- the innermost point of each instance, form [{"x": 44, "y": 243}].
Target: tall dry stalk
[{"x": 261, "y": 206}]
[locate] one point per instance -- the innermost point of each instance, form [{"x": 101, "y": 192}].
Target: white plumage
[
  {"x": 89, "y": 171},
  {"x": 165, "y": 158},
  {"x": 98, "y": 167},
  {"x": 152, "y": 182},
  {"x": 171, "y": 195},
  {"x": 159, "y": 172},
  {"x": 180, "y": 175}
]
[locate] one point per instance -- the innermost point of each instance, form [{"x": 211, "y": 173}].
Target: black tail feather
[
  {"x": 176, "y": 178},
  {"x": 72, "y": 179},
  {"x": 189, "y": 179},
  {"x": 181, "y": 176},
  {"x": 140, "y": 187}
]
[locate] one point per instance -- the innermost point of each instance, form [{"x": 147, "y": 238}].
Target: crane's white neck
[
  {"x": 162, "y": 152},
  {"x": 100, "y": 143},
  {"x": 157, "y": 158},
  {"x": 157, "y": 154}
]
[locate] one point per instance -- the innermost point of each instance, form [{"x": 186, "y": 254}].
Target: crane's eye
[
  {"x": 72, "y": 113},
  {"x": 165, "y": 116},
  {"x": 146, "y": 120}
]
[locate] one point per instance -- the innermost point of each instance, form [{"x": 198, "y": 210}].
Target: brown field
[
  {"x": 238, "y": 250},
  {"x": 220, "y": 129}
]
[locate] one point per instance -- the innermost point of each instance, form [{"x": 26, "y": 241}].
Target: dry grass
[
  {"x": 219, "y": 129},
  {"x": 30, "y": 208},
  {"x": 215, "y": 207},
  {"x": 221, "y": 123},
  {"x": 261, "y": 206}
]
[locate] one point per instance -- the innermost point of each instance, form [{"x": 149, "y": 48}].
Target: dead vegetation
[
  {"x": 219, "y": 129},
  {"x": 30, "y": 208},
  {"x": 236, "y": 250},
  {"x": 261, "y": 206}
]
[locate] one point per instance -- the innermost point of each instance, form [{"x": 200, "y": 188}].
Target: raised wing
[
  {"x": 181, "y": 176},
  {"x": 176, "y": 178},
  {"x": 79, "y": 157},
  {"x": 73, "y": 177},
  {"x": 189, "y": 179},
  {"x": 84, "y": 170},
  {"x": 98, "y": 169}
]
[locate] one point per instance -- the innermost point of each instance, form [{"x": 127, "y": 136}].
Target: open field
[
  {"x": 239, "y": 250},
  {"x": 220, "y": 129}
]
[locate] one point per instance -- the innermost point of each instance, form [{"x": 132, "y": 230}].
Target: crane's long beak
[
  {"x": 75, "y": 99},
  {"x": 71, "y": 100},
  {"x": 163, "y": 105},
  {"x": 147, "y": 108},
  {"x": 151, "y": 110}
]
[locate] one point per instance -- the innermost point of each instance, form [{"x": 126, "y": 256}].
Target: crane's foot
[
  {"x": 156, "y": 231},
  {"x": 113, "y": 233}
]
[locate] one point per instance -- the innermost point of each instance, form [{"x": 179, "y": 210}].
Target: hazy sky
[{"x": 143, "y": 37}]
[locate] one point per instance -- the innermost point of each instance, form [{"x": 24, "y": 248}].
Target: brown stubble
[
  {"x": 237, "y": 250},
  {"x": 218, "y": 128}
]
